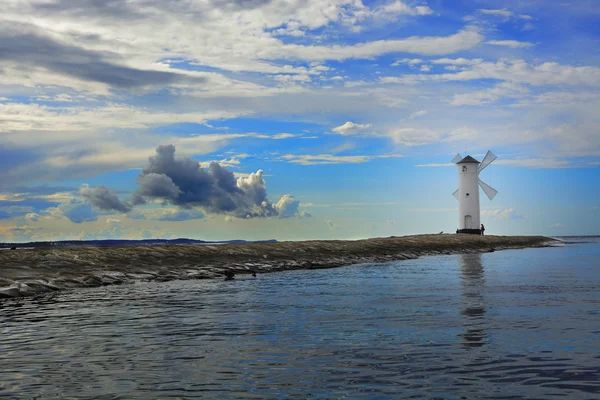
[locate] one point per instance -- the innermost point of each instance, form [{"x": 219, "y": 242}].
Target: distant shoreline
[{"x": 39, "y": 270}]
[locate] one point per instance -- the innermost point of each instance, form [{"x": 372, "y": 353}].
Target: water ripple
[{"x": 454, "y": 327}]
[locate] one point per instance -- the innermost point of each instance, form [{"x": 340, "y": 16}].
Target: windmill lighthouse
[{"x": 467, "y": 193}]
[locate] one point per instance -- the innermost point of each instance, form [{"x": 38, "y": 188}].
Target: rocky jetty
[{"x": 38, "y": 270}]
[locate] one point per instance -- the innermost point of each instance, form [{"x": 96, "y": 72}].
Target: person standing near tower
[{"x": 482, "y": 229}]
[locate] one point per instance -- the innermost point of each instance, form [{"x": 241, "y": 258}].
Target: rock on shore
[{"x": 31, "y": 271}]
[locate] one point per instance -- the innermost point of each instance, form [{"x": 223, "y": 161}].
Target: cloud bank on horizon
[{"x": 341, "y": 103}]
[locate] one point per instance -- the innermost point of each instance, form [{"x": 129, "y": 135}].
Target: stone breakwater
[{"x": 31, "y": 271}]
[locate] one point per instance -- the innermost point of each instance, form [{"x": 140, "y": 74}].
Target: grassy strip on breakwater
[{"x": 31, "y": 271}]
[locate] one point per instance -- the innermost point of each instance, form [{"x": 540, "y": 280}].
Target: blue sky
[{"x": 322, "y": 119}]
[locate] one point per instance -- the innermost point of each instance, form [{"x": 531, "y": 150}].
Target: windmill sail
[
  {"x": 489, "y": 191},
  {"x": 487, "y": 160},
  {"x": 456, "y": 159},
  {"x": 455, "y": 194}
]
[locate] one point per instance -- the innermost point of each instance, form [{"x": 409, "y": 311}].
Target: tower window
[
  {"x": 464, "y": 168},
  {"x": 467, "y": 194}
]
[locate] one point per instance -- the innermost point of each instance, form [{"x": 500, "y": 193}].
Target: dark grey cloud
[
  {"x": 104, "y": 198},
  {"x": 116, "y": 9},
  {"x": 154, "y": 185},
  {"x": 127, "y": 10},
  {"x": 182, "y": 182},
  {"x": 28, "y": 47}
]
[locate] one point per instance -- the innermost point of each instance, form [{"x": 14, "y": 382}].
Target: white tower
[{"x": 467, "y": 193}]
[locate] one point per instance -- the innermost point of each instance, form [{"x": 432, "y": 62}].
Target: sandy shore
[{"x": 31, "y": 271}]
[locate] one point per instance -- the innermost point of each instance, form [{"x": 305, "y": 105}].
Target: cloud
[
  {"x": 457, "y": 61},
  {"x": 504, "y": 13},
  {"x": 502, "y": 213},
  {"x": 75, "y": 210},
  {"x": 510, "y": 43},
  {"x": 104, "y": 198},
  {"x": 435, "y": 165},
  {"x": 163, "y": 213},
  {"x": 516, "y": 71},
  {"x": 417, "y": 114},
  {"x": 41, "y": 191},
  {"x": 287, "y": 206},
  {"x": 549, "y": 162},
  {"x": 32, "y": 217},
  {"x": 481, "y": 97},
  {"x": 321, "y": 159},
  {"x": 350, "y": 128},
  {"x": 180, "y": 215},
  {"x": 558, "y": 226},
  {"x": 116, "y": 45},
  {"x": 397, "y": 7},
  {"x": 18, "y": 208},
  {"x": 182, "y": 182},
  {"x": 354, "y": 204},
  {"x": 500, "y": 13},
  {"x": 414, "y": 136},
  {"x": 431, "y": 46},
  {"x": 28, "y": 47},
  {"x": 409, "y": 61},
  {"x": 72, "y": 155}
]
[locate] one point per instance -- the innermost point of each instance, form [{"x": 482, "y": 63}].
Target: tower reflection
[{"x": 473, "y": 284}]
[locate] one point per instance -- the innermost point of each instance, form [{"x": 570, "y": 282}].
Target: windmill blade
[
  {"x": 487, "y": 160},
  {"x": 489, "y": 191},
  {"x": 455, "y": 194},
  {"x": 456, "y": 159}
]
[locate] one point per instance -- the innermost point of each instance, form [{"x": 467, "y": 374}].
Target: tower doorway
[{"x": 468, "y": 222}]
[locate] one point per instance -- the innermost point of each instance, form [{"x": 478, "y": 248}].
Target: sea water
[{"x": 511, "y": 324}]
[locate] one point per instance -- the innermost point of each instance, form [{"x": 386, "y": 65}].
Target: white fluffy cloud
[
  {"x": 288, "y": 207},
  {"x": 510, "y": 43},
  {"x": 350, "y": 128}
]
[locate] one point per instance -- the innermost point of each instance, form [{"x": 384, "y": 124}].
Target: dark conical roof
[{"x": 468, "y": 159}]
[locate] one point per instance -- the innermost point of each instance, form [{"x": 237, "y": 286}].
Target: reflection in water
[{"x": 473, "y": 284}]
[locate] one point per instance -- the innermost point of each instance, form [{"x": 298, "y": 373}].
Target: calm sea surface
[{"x": 505, "y": 325}]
